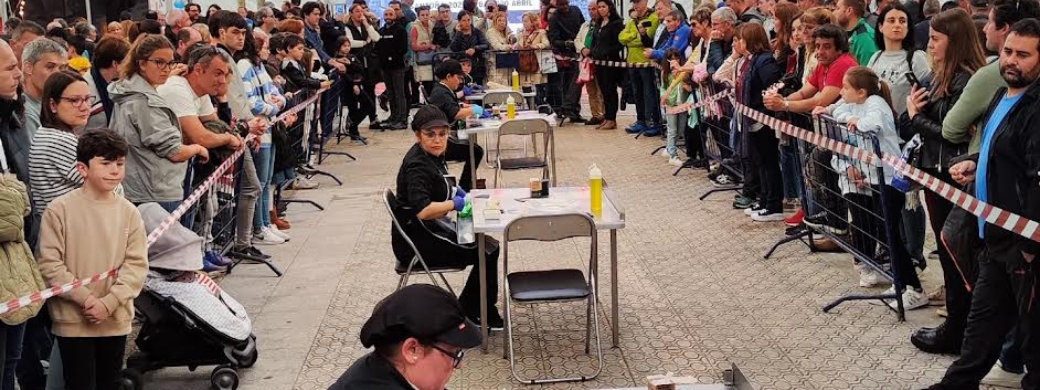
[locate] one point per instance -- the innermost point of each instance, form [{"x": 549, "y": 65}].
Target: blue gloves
[
  {"x": 460, "y": 192},
  {"x": 460, "y": 202},
  {"x": 478, "y": 110},
  {"x": 467, "y": 90}
]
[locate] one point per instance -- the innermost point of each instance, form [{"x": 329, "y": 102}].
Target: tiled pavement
[{"x": 695, "y": 292}]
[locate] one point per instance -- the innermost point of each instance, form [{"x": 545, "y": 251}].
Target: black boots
[{"x": 938, "y": 340}]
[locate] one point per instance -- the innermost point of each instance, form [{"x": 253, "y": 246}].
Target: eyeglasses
[
  {"x": 79, "y": 101},
  {"x": 162, "y": 64},
  {"x": 435, "y": 135},
  {"x": 456, "y": 357}
]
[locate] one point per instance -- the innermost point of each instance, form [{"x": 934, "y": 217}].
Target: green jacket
[
  {"x": 630, "y": 37},
  {"x": 962, "y": 122},
  {"x": 19, "y": 275},
  {"x": 861, "y": 42}
]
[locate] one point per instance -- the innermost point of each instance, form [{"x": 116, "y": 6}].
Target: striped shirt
[{"x": 52, "y": 166}]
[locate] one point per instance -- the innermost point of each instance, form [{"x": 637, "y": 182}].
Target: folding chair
[
  {"x": 554, "y": 285},
  {"x": 528, "y": 127},
  {"x": 406, "y": 271}
]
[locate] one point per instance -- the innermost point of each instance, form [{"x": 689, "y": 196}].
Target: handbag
[
  {"x": 528, "y": 62},
  {"x": 546, "y": 62},
  {"x": 425, "y": 57},
  {"x": 509, "y": 60},
  {"x": 585, "y": 72}
]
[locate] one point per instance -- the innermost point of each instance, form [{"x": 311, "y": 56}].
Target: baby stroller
[{"x": 187, "y": 320}]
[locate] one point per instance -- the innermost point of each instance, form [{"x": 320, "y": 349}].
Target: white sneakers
[
  {"x": 764, "y": 215},
  {"x": 283, "y": 235},
  {"x": 912, "y": 299},
  {"x": 867, "y": 276},
  {"x": 303, "y": 183},
  {"x": 1000, "y": 378},
  {"x": 267, "y": 237},
  {"x": 675, "y": 161}
]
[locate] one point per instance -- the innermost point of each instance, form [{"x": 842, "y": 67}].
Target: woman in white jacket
[
  {"x": 866, "y": 109},
  {"x": 500, "y": 39}
]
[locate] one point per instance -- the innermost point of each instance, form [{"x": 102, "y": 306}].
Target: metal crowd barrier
[
  {"x": 855, "y": 212},
  {"x": 721, "y": 136}
]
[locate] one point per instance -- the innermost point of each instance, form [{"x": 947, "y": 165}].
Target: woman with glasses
[
  {"x": 426, "y": 194},
  {"x": 156, "y": 164},
  {"x": 420, "y": 335},
  {"x": 65, "y": 109}
]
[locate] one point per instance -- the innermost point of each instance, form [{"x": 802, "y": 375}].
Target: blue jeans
[
  {"x": 283, "y": 176},
  {"x": 10, "y": 352},
  {"x": 264, "y": 160},
  {"x": 790, "y": 170},
  {"x": 1011, "y": 353},
  {"x": 674, "y": 122},
  {"x": 648, "y": 99}
]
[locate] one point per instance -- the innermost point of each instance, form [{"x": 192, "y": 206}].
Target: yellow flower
[{"x": 79, "y": 64}]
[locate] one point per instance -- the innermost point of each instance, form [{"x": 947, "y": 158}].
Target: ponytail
[{"x": 864, "y": 78}]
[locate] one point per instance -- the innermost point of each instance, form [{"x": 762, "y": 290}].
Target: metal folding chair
[
  {"x": 531, "y": 128},
  {"x": 554, "y": 285},
  {"x": 406, "y": 271}
]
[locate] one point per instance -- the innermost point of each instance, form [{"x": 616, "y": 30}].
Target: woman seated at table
[
  {"x": 443, "y": 96},
  {"x": 425, "y": 195}
]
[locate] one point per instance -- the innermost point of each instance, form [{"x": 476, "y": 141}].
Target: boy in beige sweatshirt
[{"x": 86, "y": 232}]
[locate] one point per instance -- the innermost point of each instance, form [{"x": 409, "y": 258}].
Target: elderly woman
[
  {"x": 420, "y": 334},
  {"x": 426, "y": 194}
]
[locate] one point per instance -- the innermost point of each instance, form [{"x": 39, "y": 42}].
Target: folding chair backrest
[
  {"x": 388, "y": 201},
  {"x": 525, "y": 127},
  {"x": 500, "y": 98},
  {"x": 552, "y": 227}
]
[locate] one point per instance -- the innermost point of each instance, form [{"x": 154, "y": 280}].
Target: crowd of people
[{"x": 949, "y": 86}]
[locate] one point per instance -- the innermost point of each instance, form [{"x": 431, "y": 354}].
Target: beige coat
[
  {"x": 19, "y": 275},
  {"x": 536, "y": 40},
  {"x": 499, "y": 42},
  {"x": 421, "y": 38}
]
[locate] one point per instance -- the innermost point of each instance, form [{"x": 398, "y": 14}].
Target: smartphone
[
  {"x": 647, "y": 24},
  {"x": 912, "y": 79}
]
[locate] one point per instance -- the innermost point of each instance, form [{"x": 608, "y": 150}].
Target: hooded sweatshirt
[{"x": 151, "y": 131}]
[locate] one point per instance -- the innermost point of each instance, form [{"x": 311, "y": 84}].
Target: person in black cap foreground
[
  {"x": 426, "y": 193},
  {"x": 420, "y": 334}
]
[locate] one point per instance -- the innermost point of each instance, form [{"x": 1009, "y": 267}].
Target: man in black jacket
[
  {"x": 392, "y": 48},
  {"x": 1007, "y": 164},
  {"x": 450, "y": 76},
  {"x": 563, "y": 27}
]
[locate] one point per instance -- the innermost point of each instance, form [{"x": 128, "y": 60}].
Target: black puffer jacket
[
  {"x": 936, "y": 151},
  {"x": 605, "y": 44}
]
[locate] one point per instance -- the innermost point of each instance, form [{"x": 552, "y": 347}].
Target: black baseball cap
[
  {"x": 429, "y": 116},
  {"x": 980, "y": 3},
  {"x": 423, "y": 311}
]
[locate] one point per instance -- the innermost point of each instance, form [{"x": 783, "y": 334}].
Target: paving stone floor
[{"x": 695, "y": 292}]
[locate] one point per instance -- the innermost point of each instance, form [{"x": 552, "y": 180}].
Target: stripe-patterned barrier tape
[
  {"x": 40, "y": 296},
  {"x": 687, "y": 107},
  {"x": 610, "y": 64},
  {"x": 994, "y": 215}
]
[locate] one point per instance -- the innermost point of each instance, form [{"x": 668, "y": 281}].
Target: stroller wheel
[
  {"x": 249, "y": 360},
  {"x": 224, "y": 378},
  {"x": 132, "y": 379}
]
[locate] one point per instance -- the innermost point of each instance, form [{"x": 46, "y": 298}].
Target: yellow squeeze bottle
[
  {"x": 595, "y": 190},
  {"x": 510, "y": 107},
  {"x": 516, "y": 81}
]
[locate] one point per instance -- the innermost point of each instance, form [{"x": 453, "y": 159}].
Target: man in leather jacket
[{"x": 1006, "y": 176}]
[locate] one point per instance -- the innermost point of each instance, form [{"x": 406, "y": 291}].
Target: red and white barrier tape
[
  {"x": 40, "y": 296},
  {"x": 609, "y": 64},
  {"x": 687, "y": 107},
  {"x": 994, "y": 215}
]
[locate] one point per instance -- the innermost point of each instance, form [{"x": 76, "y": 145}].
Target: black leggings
[
  {"x": 92, "y": 363},
  {"x": 958, "y": 298},
  {"x": 869, "y": 223},
  {"x": 608, "y": 78},
  {"x": 458, "y": 150}
]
